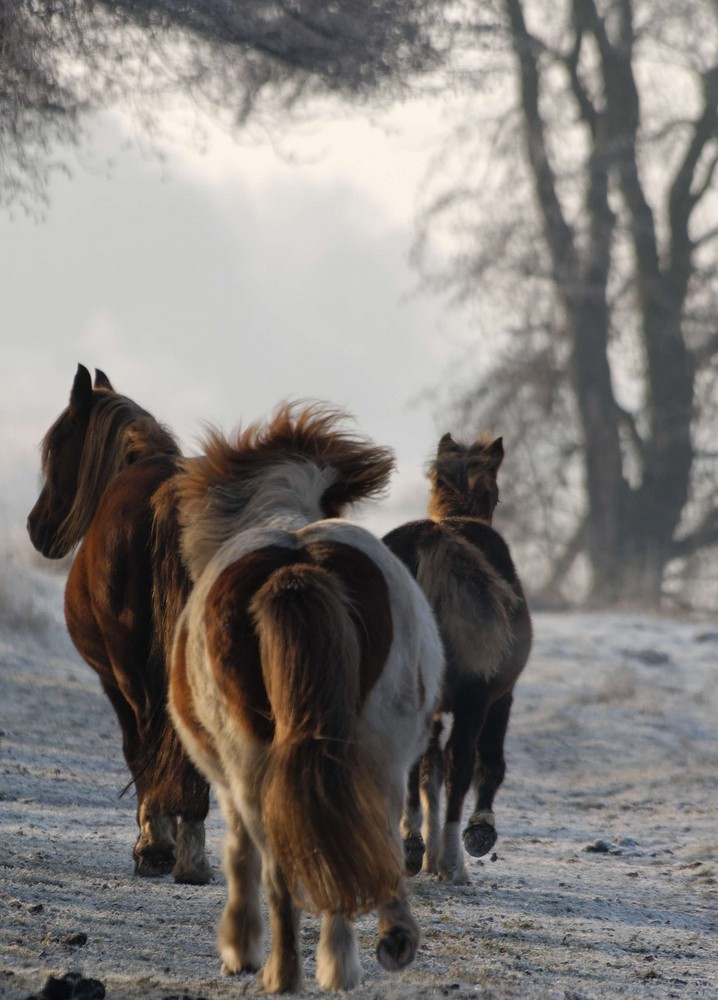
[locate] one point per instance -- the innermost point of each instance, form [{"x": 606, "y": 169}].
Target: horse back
[
  {"x": 127, "y": 585},
  {"x": 465, "y": 568}
]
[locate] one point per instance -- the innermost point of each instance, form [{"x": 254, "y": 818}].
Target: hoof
[
  {"x": 198, "y": 875},
  {"x": 233, "y": 968},
  {"x": 396, "y": 950},
  {"x": 479, "y": 838},
  {"x": 413, "y": 854},
  {"x": 154, "y": 864}
]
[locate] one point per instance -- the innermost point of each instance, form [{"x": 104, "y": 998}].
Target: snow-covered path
[{"x": 605, "y": 882}]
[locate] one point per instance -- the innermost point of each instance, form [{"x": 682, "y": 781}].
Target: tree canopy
[
  {"x": 583, "y": 206},
  {"x": 62, "y": 59}
]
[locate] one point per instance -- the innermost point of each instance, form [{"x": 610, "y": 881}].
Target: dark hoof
[
  {"x": 154, "y": 864},
  {"x": 194, "y": 877},
  {"x": 479, "y": 838},
  {"x": 396, "y": 950},
  {"x": 413, "y": 854}
]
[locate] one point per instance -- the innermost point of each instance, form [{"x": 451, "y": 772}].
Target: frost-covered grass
[{"x": 605, "y": 878}]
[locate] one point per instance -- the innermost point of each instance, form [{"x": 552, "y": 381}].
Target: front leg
[{"x": 240, "y": 929}]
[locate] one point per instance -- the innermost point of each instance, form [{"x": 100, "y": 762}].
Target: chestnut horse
[
  {"x": 306, "y": 671},
  {"x": 465, "y": 569},
  {"x": 108, "y": 471}
]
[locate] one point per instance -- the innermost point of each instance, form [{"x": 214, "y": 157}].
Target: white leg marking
[
  {"x": 338, "y": 966},
  {"x": 452, "y": 867}
]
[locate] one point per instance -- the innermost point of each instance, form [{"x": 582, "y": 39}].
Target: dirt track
[{"x": 613, "y": 744}]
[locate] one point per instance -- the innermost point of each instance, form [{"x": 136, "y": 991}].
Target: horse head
[
  {"x": 62, "y": 449},
  {"x": 463, "y": 478}
]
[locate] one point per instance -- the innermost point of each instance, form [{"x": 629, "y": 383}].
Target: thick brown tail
[
  {"x": 472, "y": 602},
  {"x": 323, "y": 810}
]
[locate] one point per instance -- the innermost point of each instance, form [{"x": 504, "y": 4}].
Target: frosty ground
[{"x": 605, "y": 878}]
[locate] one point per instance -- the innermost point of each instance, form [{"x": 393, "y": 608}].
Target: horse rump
[{"x": 322, "y": 807}]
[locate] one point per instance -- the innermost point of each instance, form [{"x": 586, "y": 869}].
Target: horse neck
[{"x": 442, "y": 512}]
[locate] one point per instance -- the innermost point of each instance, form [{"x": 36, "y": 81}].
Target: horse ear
[
  {"x": 495, "y": 452},
  {"x": 447, "y": 446},
  {"x": 102, "y": 381},
  {"x": 81, "y": 395}
]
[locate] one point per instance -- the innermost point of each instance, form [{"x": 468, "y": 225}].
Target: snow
[{"x": 604, "y": 882}]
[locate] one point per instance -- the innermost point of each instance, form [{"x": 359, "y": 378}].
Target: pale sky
[{"x": 209, "y": 287}]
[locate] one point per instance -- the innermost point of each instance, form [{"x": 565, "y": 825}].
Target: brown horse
[
  {"x": 306, "y": 672},
  {"x": 109, "y": 471},
  {"x": 465, "y": 569}
]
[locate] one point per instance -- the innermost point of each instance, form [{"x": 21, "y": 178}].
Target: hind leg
[
  {"x": 338, "y": 966},
  {"x": 398, "y": 934},
  {"x": 191, "y": 865},
  {"x": 282, "y": 972},
  {"x": 154, "y": 851},
  {"x": 480, "y": 832},
  {"x": 240, "y": 929},
  {"x": 411, "y": 823},
  {"x": 470, "y": 707},
  {"x": 430, "y": 782}
]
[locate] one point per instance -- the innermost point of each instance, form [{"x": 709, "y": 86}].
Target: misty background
[
  {"x": 210, "y": 284},
  {"x": 437, "y": 216}
]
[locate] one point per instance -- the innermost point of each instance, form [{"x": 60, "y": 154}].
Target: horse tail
[
  {"x": 472, "y": 602},
  {"x": 323, "y": 811},
  {"x": 178, "y": 784},
  {"x": 170, "y": 580}
]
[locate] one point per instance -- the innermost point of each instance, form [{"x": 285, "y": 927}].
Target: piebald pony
[{"x": 306, "y": 670}]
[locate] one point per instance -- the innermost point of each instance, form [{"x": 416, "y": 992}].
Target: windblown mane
[
  {"x": 303, "y": 458},
  {"x": 119, "y": 433}
]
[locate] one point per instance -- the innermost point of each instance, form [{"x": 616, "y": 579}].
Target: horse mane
[
  {"x": 119, "y": 433},
  {"x": 304, "y": 455}
]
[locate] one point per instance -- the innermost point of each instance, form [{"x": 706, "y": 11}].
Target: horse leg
[
  {"x": 430, "y": 781},
  {"x": 470, "y": 708},
  {"x": 398, "y": 933},
  {"x": 282, "y": 972},
  {"x": 154, "y": 851},
  {"x": 338, "y": 966},
  {"x": 411, "y": 823},
  {"x": 480, "y": 832},
  {"x": 191, "y": 865},
  {"x": 240, "y": 929},
  {"x": 188, "y": 792}
]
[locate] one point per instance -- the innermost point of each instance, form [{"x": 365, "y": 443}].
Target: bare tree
[
  {"x": 62, "y": 59},
  {"x": 587, "y": 221}
]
